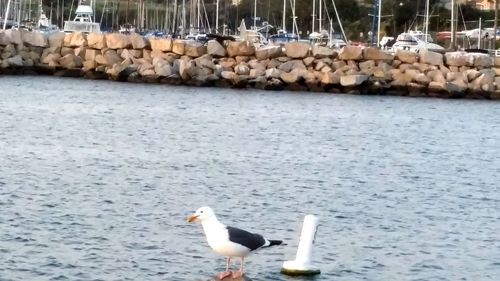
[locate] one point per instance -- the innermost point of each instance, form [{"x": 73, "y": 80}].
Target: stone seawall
[{"x": 294, "y": 66}]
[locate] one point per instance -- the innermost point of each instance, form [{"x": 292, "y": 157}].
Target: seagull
[{"x": 229, "y": 241}]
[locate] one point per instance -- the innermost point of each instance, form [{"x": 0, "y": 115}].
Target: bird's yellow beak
[{"x": 192, "y": 218}]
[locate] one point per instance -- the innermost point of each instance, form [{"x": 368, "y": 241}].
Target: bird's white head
[{"x": 202, "y": 214}]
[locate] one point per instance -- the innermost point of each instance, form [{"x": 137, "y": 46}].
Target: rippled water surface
[{"x": 97, "y": 178}]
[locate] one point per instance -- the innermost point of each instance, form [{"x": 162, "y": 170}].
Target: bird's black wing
[{"x": 250, "y": 240}]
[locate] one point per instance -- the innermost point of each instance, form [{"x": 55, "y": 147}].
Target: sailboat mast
[
  {"x": 174, "y": 18},
  {"x": 320, "y": 11},
  {"x": 479, "y": 34},
  {"x": 495, "y": 26},
  {"x": 217, "y": 16},
  {"x": 126, "y": 11},
  {"x": 340, "y": 23},
  {"x": 255, "y": 14},
  {"x": 19, "y": 8},
  {"x": 165, "y": 20},
  {"x": 198, "y": 23},
  {"x": 453, "y": 27},
  {"x": 379, "y": 21},
  {"x": 6, "y": 15},
  {"x": 284, "y": 16},
  {"x": 426, "y": 20},
  {"x": 313, "y": 15},
  {"x": 183, "y": 18}
]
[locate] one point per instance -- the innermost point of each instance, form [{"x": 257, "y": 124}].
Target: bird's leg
[
  {"x": 224, "y": 274},
  {"x": 239, "y": 273},
  {"x": 228, "y": 260}
]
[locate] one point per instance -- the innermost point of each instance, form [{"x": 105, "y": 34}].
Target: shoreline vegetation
[{"x": 295, "y": 66}]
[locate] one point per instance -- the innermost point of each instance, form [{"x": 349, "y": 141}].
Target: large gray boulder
[
  {"x": 138, "y": 42},
  {"x": 290, "y": 77},
  {"x": 367, "y": 67},
  {"x": 126, "y": 54},
  {"x": 162, "y": 68},
  {"x": 421, "y": 79},
  {"x": 215, "y": 49},
  {"x": 67, "y": 50},
  {"x": 50, "y": 50},
  {"x": 482, "y": 60},
  {"x": 297, "y": 50},
  {"x": 229, "y": 75},
  {"x": 4, "y": 38},
  {"x": 406, "y": 56},
  {"x": 240, "y": 48},
  {"x": 242, "y": 69},
  {"x": 158, "y": 54},
  {"x": 435, "y": 86},
  {"x": 117, "y": 41},
  {"x": 431, "y": 57},
  {"x": 178, "y": 47},
  {"x": 56, "y": 39},
  {"x": 227, "y": 62},
  {"x": 290, "y": 65},
  {"x": 111, "y": 57},
  {"x": 74, "y": 39},
  {"x": 329, "y": 78},
  {"x": 471, "y": 74},
  {"x": 146, "y": 69},
  {"x": 453, "y": 76},
  {"x": 456, "y": 58},
  {"x": 160, "y": 44},
  {"x": 194, "y": 49},
  {"x": 351, "y": 53},
  {"x": 96, "y": 40},
  {"x": 90, "y": 54},
  {"x": 308, "y": 61},
  {"x": 80, "y": 51},
  {"x": 13, "y": 36},
  {"x": 273, "y": 73},
  {"x": 185, "y": 66},
  {"x": 205, "y": 61},
  {"x": 400, "y": 79},
  {"x": 51, "y": 59},
  {"x": 376, "y": 54},
  {"x": 339, "y": 64},
  {"x": 35, "y": 39},
  {"x": 436, "y": 76},
  {"x": 88, "y": 65},
  {"x": 8, "y": 51},
  {"x": 322, "y": 52},
  {"x": 458, "y": 86},
  {"x": 16, "y": 60},
  {"x": 352, "y": 80},
  {"x": 254, "y": 73},
  {"x": 70, "y": 61},
  {"x": 268, "y": 52},
  {"x": 485, "y": 82}
]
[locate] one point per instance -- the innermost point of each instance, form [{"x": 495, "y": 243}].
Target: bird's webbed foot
[
  {"x": 237, "y": 274},
  {"x": 224, "y": 274}
]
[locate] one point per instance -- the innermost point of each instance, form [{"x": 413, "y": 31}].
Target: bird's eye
[{"x": 201, "y": 212}]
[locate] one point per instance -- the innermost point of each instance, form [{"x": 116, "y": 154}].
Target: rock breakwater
[{"x": 294, "y": 66}]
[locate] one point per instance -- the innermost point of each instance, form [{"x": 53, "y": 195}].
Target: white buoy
[{"x": 302, "y": 265}]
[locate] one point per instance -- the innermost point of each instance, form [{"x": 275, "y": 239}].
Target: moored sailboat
[{"x": 83, "y": 21}]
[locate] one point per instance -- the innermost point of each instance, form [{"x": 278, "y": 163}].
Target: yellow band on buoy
[{"x": 298, "y": 272}]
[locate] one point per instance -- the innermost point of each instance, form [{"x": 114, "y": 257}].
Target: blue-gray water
[{"x": 97, "y": 178}]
